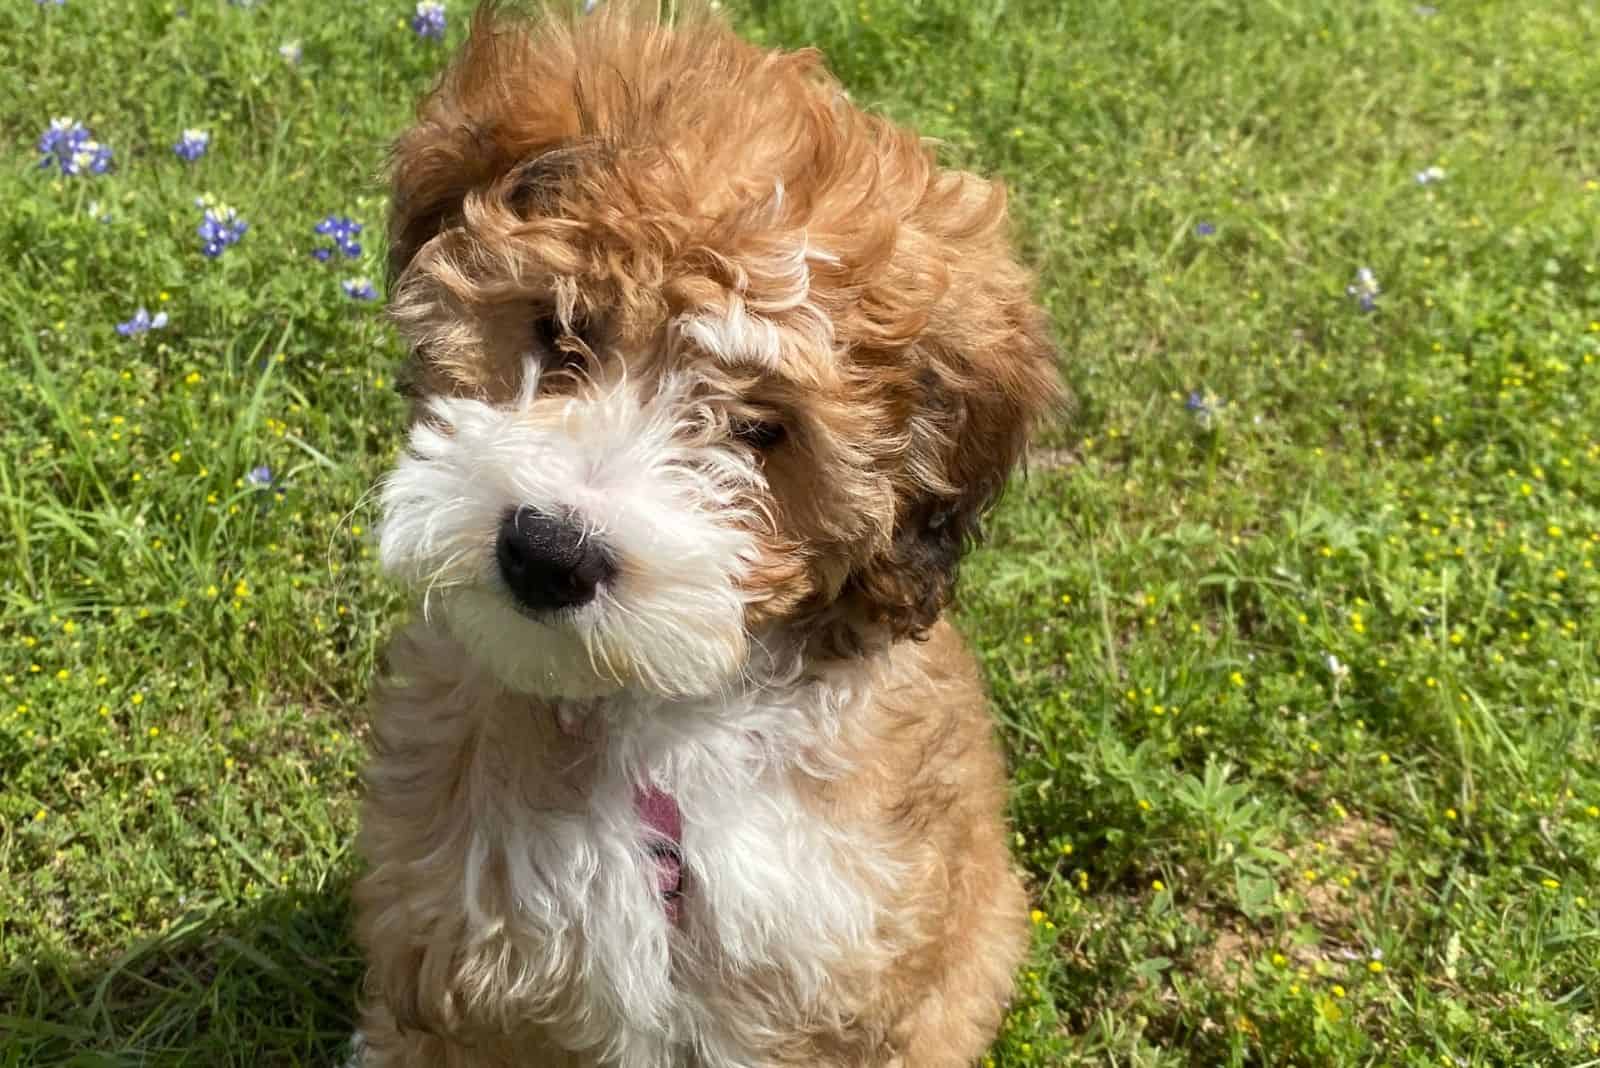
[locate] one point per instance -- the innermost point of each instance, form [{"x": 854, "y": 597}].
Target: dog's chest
[{"x": 685, "y": 891}]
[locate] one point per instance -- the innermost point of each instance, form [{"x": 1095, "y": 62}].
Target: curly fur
[{"x": 615, "y": 243}]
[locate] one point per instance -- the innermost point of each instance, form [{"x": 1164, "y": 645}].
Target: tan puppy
[{"x": 715, "y": 374}]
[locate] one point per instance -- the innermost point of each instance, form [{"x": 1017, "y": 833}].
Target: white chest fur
[{"x": 515, "y": 857}]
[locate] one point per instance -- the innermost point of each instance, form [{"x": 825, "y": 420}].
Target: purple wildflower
[
  {"x": 1204, "y": 229},
  {"x": 359, "y": 289},
  {"x": 259, "y": 477},
  {"x": 1365, "y": 290},
  {"x": 219, "y": 227},
  {"x": 69, "y": 145},
  {"x": 1203, "y": 405},
  {"x": 192, "y": 144},
  {"x": 343, "y": 230},
  {"x": 429, "y": 19},
  {"x": 142, "y": 322}
]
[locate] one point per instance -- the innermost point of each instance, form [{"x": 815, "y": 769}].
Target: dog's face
[{"x": 705, "y": 359}]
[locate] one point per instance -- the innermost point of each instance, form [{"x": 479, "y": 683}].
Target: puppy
[{"x": 714, "y": 375}]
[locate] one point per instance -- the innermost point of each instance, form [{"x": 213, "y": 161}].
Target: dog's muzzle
[{"x": 549, "y": 562}]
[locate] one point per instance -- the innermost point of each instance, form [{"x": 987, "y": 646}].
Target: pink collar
[{"x": 663, "y": 822}]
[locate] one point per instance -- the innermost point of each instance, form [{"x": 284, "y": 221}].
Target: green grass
[{"x": 1243, "y": 851}]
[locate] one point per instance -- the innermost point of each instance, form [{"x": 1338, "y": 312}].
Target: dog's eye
[{"x": 759, "y": 434}]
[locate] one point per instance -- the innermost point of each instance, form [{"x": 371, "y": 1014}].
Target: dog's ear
[
  {"x": 985, "y": 375},
  {"x": 510, "y": 95},
  {"x": 431, "y": 171},
  {"x": 457, "y": 144},
  {"x": 976, "y": 423}
]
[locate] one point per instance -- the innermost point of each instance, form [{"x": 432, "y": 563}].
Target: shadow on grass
[{"x": 274, "y": 984}]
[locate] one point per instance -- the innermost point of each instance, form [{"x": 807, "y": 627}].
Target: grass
[{"x": 1298, "y": 676}]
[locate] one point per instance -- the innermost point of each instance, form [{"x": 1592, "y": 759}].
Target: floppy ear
[
  {"x": 431, "y": 170},
  {"x": 973, "y": 429},
  {"x": 509, "y": 95},
  {"x": 984, "y": 375}
]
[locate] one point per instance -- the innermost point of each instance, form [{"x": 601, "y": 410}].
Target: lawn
[{"x": 1291, "y": 624}]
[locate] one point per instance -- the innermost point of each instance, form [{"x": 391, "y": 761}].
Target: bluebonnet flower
[
  {"x": 1203, "y": 405},
  {"x": 261, "y": 478},
  {"x": 291, "y": 52},
  {"x": 192, "y": 144},
  {"x": 1365, "y": 289},
  {"x": 1429, "y": 176},
  {"x": 1204, "y": 229},
  {"x": 360, "y": 289},
  {"x": 58, "y": 139},
  {"x": 69, "y": 145},
  {"x": 343, "y": 230},
  {"x": 142, "y": 322},
  {"x": 219, "y": 227},
  {"x": 429, "y": 19}
]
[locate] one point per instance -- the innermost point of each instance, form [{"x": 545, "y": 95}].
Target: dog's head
[{"x": 705, "y": 358}]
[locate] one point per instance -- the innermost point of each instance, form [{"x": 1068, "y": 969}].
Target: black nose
[{"x": 549, "y": 562}]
